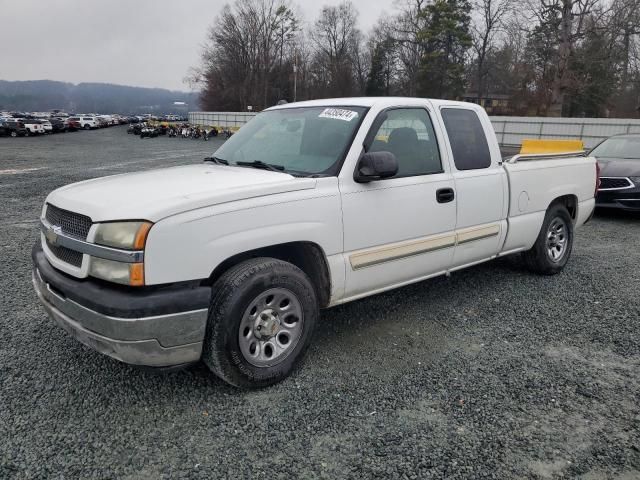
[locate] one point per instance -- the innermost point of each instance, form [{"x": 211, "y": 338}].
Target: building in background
[{"x": 493, "y": 103}]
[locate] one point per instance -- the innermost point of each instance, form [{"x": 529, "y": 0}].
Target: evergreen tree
[
  {"x": 445, "y": 39},
  {"x": 594, "y": 76},
  {"x": 379, "y": 79}
]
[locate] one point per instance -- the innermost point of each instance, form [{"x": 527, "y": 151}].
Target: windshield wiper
[
  {"x": 262, "y": 165},
  {"x": 216, "y": 160}
]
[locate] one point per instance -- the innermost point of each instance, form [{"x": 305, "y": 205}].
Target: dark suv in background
[
  {"x": 58, "y": 125},
  {"x": 13, "y": 129}
]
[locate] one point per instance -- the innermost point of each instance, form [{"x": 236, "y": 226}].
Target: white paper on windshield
[{"x": 338, "y": 114}]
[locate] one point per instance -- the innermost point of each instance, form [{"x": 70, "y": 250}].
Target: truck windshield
[{"x": 300, "y": 141}]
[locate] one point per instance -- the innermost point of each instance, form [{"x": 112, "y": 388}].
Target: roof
[
  {"x": 626, "y": 135},
  {"x": 369, "y": 102},
  {"x": 488, "y": 96}
]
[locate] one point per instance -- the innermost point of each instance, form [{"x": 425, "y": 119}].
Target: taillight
[{"x": 597, "y": 178}]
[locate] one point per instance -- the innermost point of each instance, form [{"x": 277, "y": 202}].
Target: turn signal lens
[
  {"x": 141, "y": 235},
  {"x": 136, "y": 274}
]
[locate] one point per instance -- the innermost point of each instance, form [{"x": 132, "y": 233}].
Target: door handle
[{"x": 445, "y": 195}]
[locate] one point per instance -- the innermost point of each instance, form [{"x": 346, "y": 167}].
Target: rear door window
[{"x": 467, "y": 138}]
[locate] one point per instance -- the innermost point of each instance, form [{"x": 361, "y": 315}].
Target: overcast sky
[{"x": 149, "y": 43}]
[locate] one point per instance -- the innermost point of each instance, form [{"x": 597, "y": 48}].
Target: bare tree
[
  {"x": 361, "y": 62},
  {"x": 570, "y": 16},
  {"x": 245, "y": 54},
  {"x": 580, "y": 56},
  {"x": 405, "y": 32},
  {"x": 488, "y": 25},
  {"x": 335, "y": 35}
]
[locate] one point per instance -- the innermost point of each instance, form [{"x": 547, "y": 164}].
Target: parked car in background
[
  {"x": 107, "y": 120},
  {"x": 75, "y": 120},
  {"x": 46, "y": 125},
  {"x": 72, "y": 124},
  {"x": 5, "y": 131},
  {"x": 15, "y": 128},
  {"x": 34, "y": 127},
  {"x": 619, "y": 160},
  {"x": 86, "y": 122},
  {"x": 58, "y": 125}
]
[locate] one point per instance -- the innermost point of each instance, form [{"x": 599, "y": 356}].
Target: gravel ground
[{"x": 492, "y": 373}]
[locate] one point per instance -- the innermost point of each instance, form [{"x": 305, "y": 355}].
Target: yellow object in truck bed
[{"x": 550, "y": 146}]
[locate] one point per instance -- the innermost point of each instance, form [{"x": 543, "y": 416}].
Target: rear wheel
[
  {"x": 262, "y": 316},
  {"x": 87, "y": 127},
  {"x": 552, "y": 249},
  {"x": 14, "y": 134}
]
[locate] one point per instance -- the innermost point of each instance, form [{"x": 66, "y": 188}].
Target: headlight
[
  {"x": 125, "y": 235},
  {"x": 125, "y": 273}
]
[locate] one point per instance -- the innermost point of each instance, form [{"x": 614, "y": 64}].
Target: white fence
[
  {"x": 230, "y": 120},
  {"x": 510, "y": 130}
]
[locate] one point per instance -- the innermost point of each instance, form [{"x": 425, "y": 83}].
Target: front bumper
[
  {"x": 160, "y": 327},
  {"x": 627, "y": 199}
]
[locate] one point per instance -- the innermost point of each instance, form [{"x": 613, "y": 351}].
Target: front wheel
[
  {"x": 552, "y": 249},
  {"x": 14, "y": 134},
  {"x": 262, "y": 316}
]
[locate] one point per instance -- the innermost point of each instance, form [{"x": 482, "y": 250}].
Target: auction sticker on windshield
[{"x": 338, "y": 114}]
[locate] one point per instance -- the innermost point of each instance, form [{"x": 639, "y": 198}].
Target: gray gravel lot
[{"x": 492, "y": 373}]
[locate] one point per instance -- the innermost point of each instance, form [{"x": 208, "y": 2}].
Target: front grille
[
  {"x": 66, "y": 255},
  {"x": 609, "y": 183},
  {"x": 72, "y": 224}
]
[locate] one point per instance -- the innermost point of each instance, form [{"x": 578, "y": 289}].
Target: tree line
[
  {"x": 46, "y": 95},
  {"x": 521, "y": 57}
]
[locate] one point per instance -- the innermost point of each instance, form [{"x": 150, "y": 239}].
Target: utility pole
[{"x": 295, "y": 76}]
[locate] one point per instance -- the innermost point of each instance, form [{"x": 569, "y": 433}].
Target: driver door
[{"x": 400, "y": 229}]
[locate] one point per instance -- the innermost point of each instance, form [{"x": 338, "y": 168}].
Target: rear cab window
[{"x": 467, "y": 138}]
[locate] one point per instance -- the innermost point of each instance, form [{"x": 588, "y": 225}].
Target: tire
[
  {"x": 241, "y": 306},
  {"x": 87, "y": 127},
  {"x": 14, "y": 134},
  {"x": 552, "y": 249}
]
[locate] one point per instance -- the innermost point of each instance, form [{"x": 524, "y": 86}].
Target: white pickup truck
[{"x": 308, "y": 206}]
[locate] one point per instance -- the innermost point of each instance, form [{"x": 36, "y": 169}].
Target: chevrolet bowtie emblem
[{"x": 52, "y": 234}]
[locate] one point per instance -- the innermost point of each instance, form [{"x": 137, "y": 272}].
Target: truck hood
[{"x": 156, "y": 194}]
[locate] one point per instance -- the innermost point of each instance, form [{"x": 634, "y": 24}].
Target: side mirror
[{"x": 376, "y": 166}]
